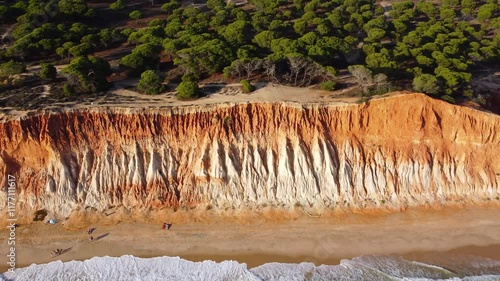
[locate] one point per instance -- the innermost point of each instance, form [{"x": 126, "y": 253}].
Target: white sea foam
[{"x": 174, "y": 268}]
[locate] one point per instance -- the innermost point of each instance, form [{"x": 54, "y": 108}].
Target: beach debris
[
  {"x": 90, "y": 230},
  {"x": 166, "y": 226},
  {"x": 51, "y": 221}
]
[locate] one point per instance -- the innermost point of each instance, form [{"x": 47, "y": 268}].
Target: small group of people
[
  {"x": 166, "y": 226},
  {"x": 58, "y": 252},
  {"x": 89, "y": 232}
]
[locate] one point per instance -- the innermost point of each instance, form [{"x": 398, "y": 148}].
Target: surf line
[{"x": 11, "y": 209}]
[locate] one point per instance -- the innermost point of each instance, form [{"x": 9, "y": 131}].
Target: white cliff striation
[{"x": 406, "y": 150}]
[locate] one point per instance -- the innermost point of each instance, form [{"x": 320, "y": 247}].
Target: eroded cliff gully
[{"x": 406, "y": 150}]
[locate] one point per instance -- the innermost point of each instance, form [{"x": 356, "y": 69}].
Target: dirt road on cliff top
[{"x": 121, "y": 97}]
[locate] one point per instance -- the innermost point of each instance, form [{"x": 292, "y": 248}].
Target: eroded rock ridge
[{"x": 406, "y": 150}]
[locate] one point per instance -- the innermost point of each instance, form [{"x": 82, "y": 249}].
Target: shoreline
[
  {"x": 256, "y": 259},
  {"x": 414, "y": 233}
]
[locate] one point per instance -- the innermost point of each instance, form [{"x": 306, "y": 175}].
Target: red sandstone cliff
[{"x": 405, "y": 150}]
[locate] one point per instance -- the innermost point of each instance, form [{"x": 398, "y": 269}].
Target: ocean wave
[{"x": 368, "y": 267}]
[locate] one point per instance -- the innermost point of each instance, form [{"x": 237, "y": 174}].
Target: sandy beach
[{"x": 271, "y": 236}]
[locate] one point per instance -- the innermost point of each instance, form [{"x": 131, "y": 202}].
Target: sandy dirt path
[{"x": 121, "y": 97}]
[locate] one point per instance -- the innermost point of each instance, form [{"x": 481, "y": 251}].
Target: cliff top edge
[{"x": 300, "y": 98}]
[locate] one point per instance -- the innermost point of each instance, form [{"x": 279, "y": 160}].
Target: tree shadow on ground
[
  {"x": 209, "y": 90},
  {"x": 101, "y": 236}
]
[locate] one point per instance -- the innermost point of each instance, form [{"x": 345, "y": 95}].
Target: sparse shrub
[
  {"x": 68, "y": 90},
  {"x": 481, "y": 100},
  {"x": 16, "y": 80},
  {"x": 48, "y": 71},
  {"x": 11, "y": 68},
  {"x": 328, "y": 86},
  {"x": 363, "y": 100},
  {"x": 468, "y": 93},
  {"x": 247, "y": 87},
  {"x": 448, "y": 98}
]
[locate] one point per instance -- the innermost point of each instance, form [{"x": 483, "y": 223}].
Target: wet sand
[{"x": 257, "y": 239}]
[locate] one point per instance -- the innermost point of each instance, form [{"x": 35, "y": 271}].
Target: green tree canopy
[
  {"x": 187, "y": 90},
  {"x": 135, "y": 15},
  {"x": 88, "y": 74},
  {"x": 118, "y": 5},
  {"x": 486, "y": 11},
  {"x": 81, "y": 50},
  {"x": 150, "y": 83},
  {"x": 264, "y": 38},
  {"x": 426, "y": 83},
  {"x": 216, "y": 4},
  {"x": 170, "y": 6},
  {"x": 73, "y": 7},
  {"x": 143, "y": 57},
  {"x": 237, "y": 32}
]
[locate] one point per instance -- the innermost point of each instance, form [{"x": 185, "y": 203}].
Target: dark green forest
[{"x": 413, "y": 45}]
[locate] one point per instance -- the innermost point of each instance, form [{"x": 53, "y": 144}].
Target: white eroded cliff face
[{"x": 407, "y": 150}]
